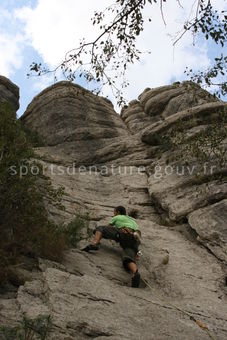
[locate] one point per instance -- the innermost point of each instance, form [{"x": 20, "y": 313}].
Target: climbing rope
[{"x": 198, "y": 322}]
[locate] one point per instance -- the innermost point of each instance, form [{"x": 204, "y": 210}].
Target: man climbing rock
[{"x": 122, "y": 229}]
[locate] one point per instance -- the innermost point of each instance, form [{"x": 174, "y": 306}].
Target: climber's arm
[{"x": 112, "y": 221}]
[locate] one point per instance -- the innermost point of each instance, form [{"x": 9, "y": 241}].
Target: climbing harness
[{"x": 127, "y": 230}]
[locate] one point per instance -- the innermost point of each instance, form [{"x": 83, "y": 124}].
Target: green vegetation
[
  {"x": 206, "y": 145},
  {"x": 115, "y": 47},
  {"x": 33, "y": 137},
  {"x": 71, "y": 231},
  {"x": 24, "y": 224},
  {"x": 28, "y": 329}
]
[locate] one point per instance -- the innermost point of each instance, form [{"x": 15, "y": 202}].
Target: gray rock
[
  {"x": 9, "y": 92},
  {"x": 178, "y": 184},
  {"x": 89, "y": 295},
  {"x": 200, "y": 113},
  {"x": 78, "y": 127},
  {"x": 155, "y": 105},
  {"x": 210, "y": 224}
]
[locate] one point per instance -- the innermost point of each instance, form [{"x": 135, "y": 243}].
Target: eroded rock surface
[
  {"x": 81, "y": 128},
  {"x": 89, "y": 295},
  {"x": 210, "y": 223},
  {"x": 155, "y": 105},
  {"x": 180, "y": 178},
  {"x": 183, "y": 220},
  {"x": 9, "y": 92}
]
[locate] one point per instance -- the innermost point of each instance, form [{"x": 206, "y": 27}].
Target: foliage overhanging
[{"x": 105, "y": 59}]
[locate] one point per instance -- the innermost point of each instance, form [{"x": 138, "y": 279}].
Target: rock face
[
  {"x": 79, "y": 127},
  {"x": 9, "y": 92},
  {"x": 155, "y": 105},
  {"x": 210, "y": 224},
  {"x": 184, "y": 177},
  {"x": 104, "y": 160}
]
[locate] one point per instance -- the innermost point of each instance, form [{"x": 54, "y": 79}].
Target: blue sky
[
  {"x": 43, "y": 30},
  {"x": 17, "y": 73}
]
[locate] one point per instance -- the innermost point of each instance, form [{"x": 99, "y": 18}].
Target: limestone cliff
[
  {"x": 9, "y": 92},
  {"x": 181, "y": 180},
  {"x": 89, "y": 295}
]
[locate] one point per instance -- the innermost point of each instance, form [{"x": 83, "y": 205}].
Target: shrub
[
  {"x": 33, "y": 137},
  {"x": 24, "y": 223},
  {"x": 28, "y": 329},
  {"x": 206, "y": 146},
  {"x": 73, "y": 228}
]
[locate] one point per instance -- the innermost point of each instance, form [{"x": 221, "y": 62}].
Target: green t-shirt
[{"x": 121, "y": 221}]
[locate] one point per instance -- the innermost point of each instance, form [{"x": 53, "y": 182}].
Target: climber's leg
[
  {"x": 107, "y": 232},
  {"x": 129, "y": 263},
  {"x": 132, "y": 267},
  {"x": 97, "y": 237}
]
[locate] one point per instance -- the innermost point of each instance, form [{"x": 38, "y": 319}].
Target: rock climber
[{"x": 122, "y": 229}]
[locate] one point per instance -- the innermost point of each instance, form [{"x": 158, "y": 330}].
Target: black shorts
[{"x": 127, "y": 242}]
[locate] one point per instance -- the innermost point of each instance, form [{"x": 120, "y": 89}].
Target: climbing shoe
[
  {"x": 135, "y": 280},
  {"x": 91, "y": 247}
]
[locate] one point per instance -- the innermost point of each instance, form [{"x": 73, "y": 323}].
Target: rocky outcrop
[
  {"x": 89, "y": 295},
  {"x": 9, "y": 92},
  {"x": 66, "y": 112},
  {"x": 188, "y": 168},
  {"x": 103, "y": 160},
  {"x": 201, "y": 115},
  {"x": 155, "y": 105},
  {"x": 210, "y": 225},
  {"x": 79, "y": 127}
]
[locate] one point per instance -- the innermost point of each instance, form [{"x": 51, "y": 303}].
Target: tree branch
[
  {"x": 192, "y": 23},
  {"x": 107, "y": 30},
  {"x": 161, "y": 9},
  {"x": 178, "y": 1}
]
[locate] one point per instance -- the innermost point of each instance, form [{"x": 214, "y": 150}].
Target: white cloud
[
  {"x": 165, "y": 62},
  {"x": 56, "y": 26},
  {"x": 53, "y": 27},
  {"x": 11, "y": 57},
  {"x": 4, "y": 15},
  {"x": 10, "y": 46},
  {"x": 42, "y": 83}
]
